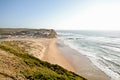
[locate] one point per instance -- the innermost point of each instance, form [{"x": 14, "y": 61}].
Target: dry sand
[
  {"x": 67, "y": 58},
  {"x": 37, "y": 46},
  {"x": 54, "y": 56},
  {"x": 49, "y": 53},
  {"x": 72, "y": 60}
]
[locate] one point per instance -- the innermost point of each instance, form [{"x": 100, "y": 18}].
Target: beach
[
  {"x": 50, "y": 51},
  {"x": 54, "y": 56},
  {"x": 82, "y": 64},
  {"x": 58, "y": 53},
  {"x": 60, "y": 39}
]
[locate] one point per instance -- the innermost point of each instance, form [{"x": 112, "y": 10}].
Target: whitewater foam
[{"x": 103, "y": 51}]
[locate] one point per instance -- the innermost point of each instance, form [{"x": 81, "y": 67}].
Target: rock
[{"x": 36, "y": 33}]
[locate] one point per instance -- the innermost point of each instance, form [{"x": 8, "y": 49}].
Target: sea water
[{"x": 101, "y": 47}]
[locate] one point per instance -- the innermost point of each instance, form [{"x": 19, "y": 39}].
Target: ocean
[{"x": 101, "y": 47}]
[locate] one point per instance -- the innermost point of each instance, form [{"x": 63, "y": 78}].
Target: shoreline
[
  {"x": 72, "y": 60},
  {"x": 82, "y": 64},
  {"x": 66, "y": 57}
]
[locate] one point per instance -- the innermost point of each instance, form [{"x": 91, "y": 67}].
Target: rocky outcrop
[
  {"x": 36, "y": 33},
  {"x": 52, "y": 34}
]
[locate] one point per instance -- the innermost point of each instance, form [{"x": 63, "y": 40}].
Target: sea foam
[{"x": 102, "y": 50}]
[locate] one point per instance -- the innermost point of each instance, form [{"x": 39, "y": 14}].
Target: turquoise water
[{"x": 101, "y": 47}]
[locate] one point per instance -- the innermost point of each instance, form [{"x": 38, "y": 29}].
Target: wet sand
[
  {"x": 70, "y": 59},
  {"x": 82, "y": 64}
]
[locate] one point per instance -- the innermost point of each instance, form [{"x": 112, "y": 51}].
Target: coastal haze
[
  {"x": 66, "y": 39},
  {"x": 61, "y": 14},
  {"x": 101, "y": 47}
]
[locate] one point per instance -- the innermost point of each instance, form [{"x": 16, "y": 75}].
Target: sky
[{"x": 61, "y": 14}]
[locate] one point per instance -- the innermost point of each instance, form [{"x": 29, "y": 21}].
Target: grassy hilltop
[{"x": 17, "y": 64}]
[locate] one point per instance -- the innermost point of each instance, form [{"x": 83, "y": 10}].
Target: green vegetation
[{"x": 35, "y": 69}]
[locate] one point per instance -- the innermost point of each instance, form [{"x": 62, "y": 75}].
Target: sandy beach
[
  {"x": 58, "y": 53},
  {"x": 54, "y": 56},
  {"x": 73, "y": 61}
]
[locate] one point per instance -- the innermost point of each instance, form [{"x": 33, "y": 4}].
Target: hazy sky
[{"x": 61, "y": 14}]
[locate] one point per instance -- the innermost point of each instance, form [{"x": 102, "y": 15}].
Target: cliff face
[
  {"x": 35, "y": 33},
  {"x": 52, "y": 34}
]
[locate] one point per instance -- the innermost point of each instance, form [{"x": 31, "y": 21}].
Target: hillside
[{"x": 18, "y": 64}]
